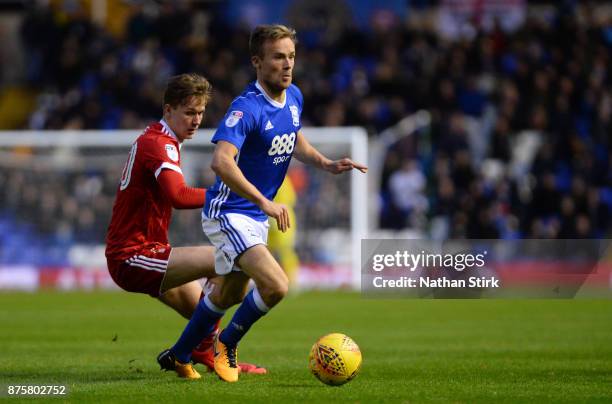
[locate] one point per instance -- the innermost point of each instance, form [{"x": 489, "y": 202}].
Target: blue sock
[
  {"x": 201, "y": 324},
  {"x": 251, "y": 310}
]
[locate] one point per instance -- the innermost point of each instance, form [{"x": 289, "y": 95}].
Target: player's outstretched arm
[
  {"x": 224, "y": 165},
  {"x": 180, "y": 195},
  {"x": 307, "y": 154}
]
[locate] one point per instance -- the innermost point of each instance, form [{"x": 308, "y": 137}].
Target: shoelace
[{"x": 231, "y": 357}]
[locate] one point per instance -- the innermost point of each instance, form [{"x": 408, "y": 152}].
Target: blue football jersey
[{"x": 264, "y": 131}]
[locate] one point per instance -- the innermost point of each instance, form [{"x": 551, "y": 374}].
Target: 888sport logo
[{"x": 282, "y": 145}]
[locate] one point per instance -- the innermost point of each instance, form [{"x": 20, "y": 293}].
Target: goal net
[{"x": 57, "y": 189}]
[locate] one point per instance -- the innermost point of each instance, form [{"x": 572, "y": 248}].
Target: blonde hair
[
  {"x": 184, "y": 86},
  {"x": 263, "y": 33}
]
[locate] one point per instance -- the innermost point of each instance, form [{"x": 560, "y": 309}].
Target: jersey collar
[
  {"x": 166, "y": 129},
  {"x": 269, "y": 99}
]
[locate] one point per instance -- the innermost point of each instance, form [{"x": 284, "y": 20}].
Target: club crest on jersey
[
  {"x": 295, "y": 115},
  {"x": 233, "y": 118},
  {"x": 172, "y": 152}
]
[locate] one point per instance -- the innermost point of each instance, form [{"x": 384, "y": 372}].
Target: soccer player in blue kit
[{"x": 254, "y": 145}]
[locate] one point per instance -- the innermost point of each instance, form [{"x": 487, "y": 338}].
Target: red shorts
[{"x": 143, "y": 272}]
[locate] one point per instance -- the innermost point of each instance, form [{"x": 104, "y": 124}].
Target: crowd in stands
[
  {"x": 548, "y": 81},
  {"x": 44, "y": 212}
]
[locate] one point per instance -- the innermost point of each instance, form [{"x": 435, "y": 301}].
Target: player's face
[
  {"x": 185, "y": 119},
  {"x": 275, "y": 66}
]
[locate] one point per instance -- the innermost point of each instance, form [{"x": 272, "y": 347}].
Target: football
[{"x": 335, "y": 359}]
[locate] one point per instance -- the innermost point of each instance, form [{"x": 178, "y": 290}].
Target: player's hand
[
  {"x": 345, "y": 164},
  {"x": 279, "y": 212}
]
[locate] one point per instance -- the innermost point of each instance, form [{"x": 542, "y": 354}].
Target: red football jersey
[{"x": 142, "y": 213}]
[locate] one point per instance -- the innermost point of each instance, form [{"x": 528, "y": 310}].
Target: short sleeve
[
  {"x": 237, "y": 123},
  {"x": 159, "y": 153},
  {"x": 299, "y": 97},
  {"x": 296, "y": 111}
]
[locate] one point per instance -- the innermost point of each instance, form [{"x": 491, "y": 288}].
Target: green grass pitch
[{"x": 103, "y": 347}]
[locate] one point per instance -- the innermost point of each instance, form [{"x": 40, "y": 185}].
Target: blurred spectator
[{"x": 407, "y": 186}]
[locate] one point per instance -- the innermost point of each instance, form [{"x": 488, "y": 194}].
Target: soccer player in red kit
[{"x": 139, "y": 256}]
